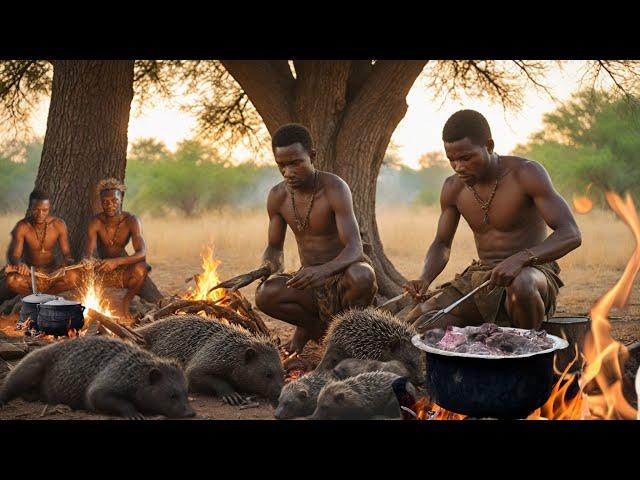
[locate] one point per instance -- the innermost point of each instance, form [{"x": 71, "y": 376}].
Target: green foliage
[
  {"x": 592, "y": 139},
  {"x": 191, "y": 180},
  {"x": 18, "y": 168}
]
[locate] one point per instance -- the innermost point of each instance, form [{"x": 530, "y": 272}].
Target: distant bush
[{"x": 592, "y": 139}]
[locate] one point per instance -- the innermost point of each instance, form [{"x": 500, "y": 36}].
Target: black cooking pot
[
  {"x": 58, "y": 316},
  {"x": 575, "y": 331},
  {"x": 29, "y": 309},
  {"x": 490, "y": 386}
]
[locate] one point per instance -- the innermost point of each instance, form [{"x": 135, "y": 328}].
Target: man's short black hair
[
  {"x": 292, "y": 133},
  {"x": 38, "y": 194},
  {"x": 467, "y": 124}
]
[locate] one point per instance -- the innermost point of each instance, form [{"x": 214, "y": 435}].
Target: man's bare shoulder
[
  {"x": 58, "y": 223},
  {"x": 529, "y": 174},
  {"x": 278, "y": 192},
  {"x": 520, "y": 166},
  {"x": 21, "y": 226},
  {"x": 131, "y": 219},
  {"x": 95, "y": 220},
  {"x": 451, "y": 189},
  {"x": 332, "y": 182},
  {"x": 277, "y": 196}
]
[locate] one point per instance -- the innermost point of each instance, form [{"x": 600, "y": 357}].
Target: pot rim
[
  {"x": 558, "y": 344},
  {"x": 42, "y": 295},
  {"x": 568, "y": 320},
  {"x": 71, "y": 303}
]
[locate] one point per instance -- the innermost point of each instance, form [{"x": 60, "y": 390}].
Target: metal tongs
[
  {"x": 432, "y": 316},
  {"x": 33, "y": 280}
]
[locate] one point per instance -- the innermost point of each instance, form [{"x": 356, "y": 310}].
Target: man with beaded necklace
[
  {"x": 317, "y": 206},
  {"x": 508, "y": 202},
  {"x": 109, "y": 232},
  {"x": 33, "y": 242}
]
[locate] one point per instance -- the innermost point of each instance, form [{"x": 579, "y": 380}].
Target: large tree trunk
[
  {"x": 86, "y": 138},
  {"x": 86, "y": 141},
  {"x": 351, "y": 108}
]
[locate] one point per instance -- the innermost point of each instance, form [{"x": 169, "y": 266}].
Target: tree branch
[
  {"x": 269, "y": 92},
  {"x": 360, "y": 70},
  {"x": 320, "y": 98},
  {"x": 282, "y": 69},
  {"x": 381, "y": 99},
  {"x": 22, "y": 84}
]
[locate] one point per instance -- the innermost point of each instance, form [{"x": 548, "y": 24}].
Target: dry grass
[{"x": 175, "y": 244}]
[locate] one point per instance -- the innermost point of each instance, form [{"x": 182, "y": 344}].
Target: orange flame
[
  {"x": 293, "y": 375},
  {"x": 582, "y": 203},
  {"x": 207, "y": 279},
  {"x": 604, "y": 356},
  {"x": 602, "y": 353},
  {"x": 93, "y": 297},
  {"x": 558, "y": 406},
  {"x": 427, "y": 410}
]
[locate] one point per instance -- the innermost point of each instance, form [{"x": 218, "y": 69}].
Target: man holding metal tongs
[{"x": 508, "y": 202}]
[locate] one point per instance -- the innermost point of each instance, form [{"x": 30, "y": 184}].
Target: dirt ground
[
  {"x": 625, "y": 327},
  {"x": 588, "y": 273}
]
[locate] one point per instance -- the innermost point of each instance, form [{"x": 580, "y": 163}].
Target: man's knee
[
  {"x": 361, "y": 277},
  {"x": 72, "y": 278},
  {"x": 14, "y": 282},
  {"x": 141, "y": 269},
  {"x": 526, "y": 287},
  {"x": 139, "y": 272},
  {"x": 268, "y": 292}
]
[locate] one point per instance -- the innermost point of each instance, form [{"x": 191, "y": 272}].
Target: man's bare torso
[
  {"x": 118, "y": 234},
  {"x": 34, "y": 242},
  {"x": 319, "y": 243},
  {"x": 514, "y": 221}
]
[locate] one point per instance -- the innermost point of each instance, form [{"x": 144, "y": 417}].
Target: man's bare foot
[{"x": 298, "y": 341}]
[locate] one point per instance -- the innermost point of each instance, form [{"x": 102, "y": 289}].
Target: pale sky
[{"x": 418, "y": 133}]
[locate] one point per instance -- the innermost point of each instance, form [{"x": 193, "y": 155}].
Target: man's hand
[
  {"x": 108, "y": 265},
  {"x": 417, "y": 288},
  {"x": 20, "y": 269},
  {"x": 506, "y": 271},
  {"x": 309, "y": 277},
  {"x": 88, "y": 263}
]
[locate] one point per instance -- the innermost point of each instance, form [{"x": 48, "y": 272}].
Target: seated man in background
[
  {"x": 33, "y": 241},
  {"x": 110, "y": 232}
]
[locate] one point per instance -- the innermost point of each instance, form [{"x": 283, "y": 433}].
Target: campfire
[
  {"x": 92, "y": 296},
  {"x": 206, "y": 280},
  {"x": 599, "y": 393},
  {"x": 223, "y": 305}
]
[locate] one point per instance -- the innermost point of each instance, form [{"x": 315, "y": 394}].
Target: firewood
[
  {"x": 91, "y": 327},
  {"x": 232, "y": 317},
  {"x": 233, "y": 306},
  {"x": 116, "y": 328},
  {"x": 169, "y": 309}
]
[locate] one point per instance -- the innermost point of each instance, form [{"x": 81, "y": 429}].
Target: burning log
[
  {"x": 241, "y": 315},
  {"x": 169, "y": 309},
  {"x": 250, "y": 320},
  {"x": 115, "y": 328},
  {"x": 241, "y": 304},
  {"x": 209, "y": 297}
]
